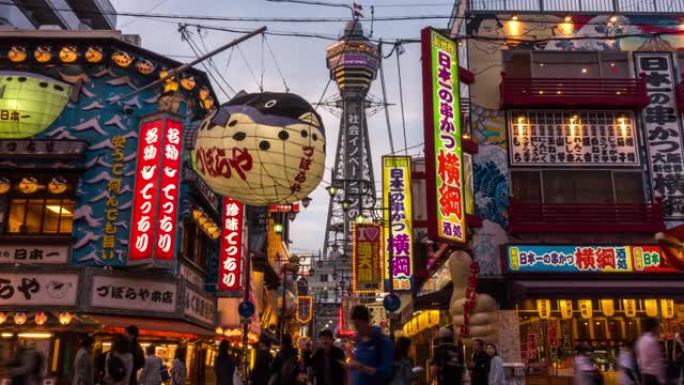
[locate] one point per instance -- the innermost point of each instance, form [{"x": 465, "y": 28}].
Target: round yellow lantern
[
  {"x": 68, "y": 54},
  {"x": 122, "y": 59},
  {"x": 43, "y": 54},
  {"x": 94, "y": 54},
  {"x": 40, "y": 318},
  {"x": 3, "y": 318},
  {"x": 5, "y": 185},
  {"x": 261, "y": 149},
  {"x": 28, "y": 185},
  {"x": 57, "y": 185},
  {"x": 145, "y": 66},
  {"x": 17, "y": 54},
  {"x": 65, "y": 318},
  {"x": 20, "y": 318}
]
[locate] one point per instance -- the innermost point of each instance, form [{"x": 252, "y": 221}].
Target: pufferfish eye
[{"x": 270, "y": 103}]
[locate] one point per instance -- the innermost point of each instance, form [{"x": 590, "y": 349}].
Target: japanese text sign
[
  {"x": 569, "y": 139},
  {"x": 199, "y": 307},
  {"x": 443, "y": 152},
  {"x": 38, "y": 289},
  {"x": 663, "y": 131},
  {"x": 230, "y": 256},
  {"x": 586, "y": 259},
  {"x": 155, "y": 197},
  {"x": 398, "y": 215},
  {"x": 367, "y": 247},
  {"x": 133, "y": 294},
  {"x": 33, "y": 254}
]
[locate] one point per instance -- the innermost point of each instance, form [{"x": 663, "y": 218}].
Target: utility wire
[
  {"x": 384, "y": 98},
  {"x": 212, "y": 64},
  {"x": 400, "y": 50},
  {"x": 244, "y": 60},
  {"x": 185, "y": 37},
  {"x": 275, "y": 60}
]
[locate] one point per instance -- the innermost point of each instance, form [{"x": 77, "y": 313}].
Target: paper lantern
[
  {"x": 629, "y": 307},
  {"x": 667, "y": 308},
  {"x": 40, "y": 318},
  {"x": 28, "y": 185},
  {"x": 3, "y": 317},
  {"x": 57, "y": 185},
  {"x": 65, "y": 318},
  {"x": 544, "y": 308},
  {"x": 651, "y": 306},
  {"x": 585, "y": 308},
  {"x": 94, "y": 54},
  {"x": 145, "y": 66},
  {"x": 207, "y": 103},
  {"x": 204, "y": 93},
  {"x": 30, "y": 103},
  {"x": 122, "y": 59},
  {"x": 20, "y": 318},
  {"x": 188, "y": 83},
  {"x": 565, "y": 307},
  {"x": 261, "y": 149},
  {"x": 17, "y": 54},
  {"x": 5, "y": 185},
  {"x": 607, "y": 307},
  {"x": 43, "y": 54},
  {"x": 68, "y": 54}
]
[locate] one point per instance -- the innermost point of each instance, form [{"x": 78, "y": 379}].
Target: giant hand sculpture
[{"x": 484, "y": 317}]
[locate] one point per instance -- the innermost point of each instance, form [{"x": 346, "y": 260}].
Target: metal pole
[
  {"x": 185, "y": 66},
  {"x": 245, "y": 326},
  {"x": 282, "y": 310},
  {"x": 390, "y": 253}
]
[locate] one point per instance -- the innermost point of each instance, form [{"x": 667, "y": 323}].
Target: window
[
  {"x": 563, "y": 65},
  {"x": 41, "y": 204},
  {"x": 577, "y": 186},
  {"x": 195, "y": 243}
]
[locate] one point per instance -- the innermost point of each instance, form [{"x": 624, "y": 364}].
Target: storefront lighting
[
  {"x": 585, "y": 308},
  {"x": 667, "y": 308},
  {"x": 651, "y": 306},
  {"x": 629, "y": 307},
  {"x": 20, "y": 318},
  {"x": 57, "y": 185},
  {"x": 278, "y": 228},
  {"x": 514, "y": 17},
  {"x": 567, "y": 19},
  {"x": 122, "y": 59},
  {"x": 65, "y": 318},
  {"x": 613, "y": 19},
  {"x": 332, "y": 190},
  {"x": 94, "y": 54},
  {"x": 43, "y": 54},
  {"x": 607, "y": 307},
  {"x": 196, "y": 214},
  {"x": 37, "y": 336},
  {"x": 40, "y": 318},
  {"x": 145, "y": 66},
  {"x": 57, "y": 209},
  {"x": 17, "y": 54},
  {"x": 346, "y": 204},
  {"x": 219, "y": 330},
  {"x": 360, "y": 218},
  {"x": 6, "y": 335},
  {"x": 3, "y": 317},
  {"x": 544, "y": 308},
  {"x": 28, "y": 185}
]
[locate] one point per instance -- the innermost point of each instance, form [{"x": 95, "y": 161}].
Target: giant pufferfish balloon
[{"x": 261, "y": 149}]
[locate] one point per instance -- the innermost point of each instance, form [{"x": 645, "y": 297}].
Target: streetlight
[
  {"x": 278, "y": 227},
  {"x": 360, "y": 218},
  {"x": 332, "y": 190},
  {"x": 346, "y": 204}
]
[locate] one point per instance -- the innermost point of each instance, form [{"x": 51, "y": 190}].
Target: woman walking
[
  {"x": 119, "y": 362},
  {"x": 151, "y": 371},
  {"x": 497, "y": 376}
]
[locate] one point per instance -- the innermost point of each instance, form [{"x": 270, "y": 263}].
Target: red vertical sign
[
  {"x": 155, "y": 197},
  {"x": 231, "y": 245},
  {"x": 168, "y": 199},
  {"x": 145, "y": 194}
]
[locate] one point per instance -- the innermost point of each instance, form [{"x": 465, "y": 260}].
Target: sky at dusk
[{"x": 302, "y": 62}]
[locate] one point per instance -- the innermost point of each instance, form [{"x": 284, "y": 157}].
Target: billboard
[
  {"x": 443, "y": 151},
  {"x": 367, "y": 247},
  {"x": 398, "y": 220},
  {"x": 155, "y": 195},
  {"x": 231, "y": 245},
  {"x": 587, "y": 259}
]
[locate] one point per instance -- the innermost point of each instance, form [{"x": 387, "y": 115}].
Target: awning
[
  {"x": 604, "y": 288},
  {"x": 164, "y": 328}
]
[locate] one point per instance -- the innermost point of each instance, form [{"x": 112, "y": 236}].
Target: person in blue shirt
[{"x": 373, "y": 358}]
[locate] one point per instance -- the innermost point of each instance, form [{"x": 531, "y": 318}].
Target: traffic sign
[
  {"x": 246, "y": 309},
  {"x": 391, "y": 302}
]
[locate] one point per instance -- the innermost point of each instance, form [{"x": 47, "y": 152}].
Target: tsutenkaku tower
[{"x": 353, "y": 62}]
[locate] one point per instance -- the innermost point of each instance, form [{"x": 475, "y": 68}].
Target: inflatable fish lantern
[{"x": 261, "y": 149}]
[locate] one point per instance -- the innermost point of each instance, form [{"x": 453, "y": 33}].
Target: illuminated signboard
[
  {"x": 295, "y": 207},
  {"x": 586, "y": 259},
  {"x": 396, "y": 182},
  {"x": 155, "y": 196},
  {"x": 443, "y": 152},
  {"x": 367, "y": 249},
  {"x": 230, "y": 255}
]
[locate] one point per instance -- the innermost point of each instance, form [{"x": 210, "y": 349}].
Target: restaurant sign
[
  {"x": 442, "y": 130},
  {"x": 586, "y": 259},
  {"x": 38, "y": 289},
  {"x": 231, "y": 246},
  {"x": 367, "y": 247},
  {"x": 396, "y": 185},
  {"x": 199, "y": 307},
  {"x": 133, "y": 294},
  {"x": 33, "y": 254}
]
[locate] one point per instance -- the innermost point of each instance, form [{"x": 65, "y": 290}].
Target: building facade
[
  {"x": 103, "y": 223},
  {"x": 60, "y": 14},
  {"x": 576, "y": 107}
]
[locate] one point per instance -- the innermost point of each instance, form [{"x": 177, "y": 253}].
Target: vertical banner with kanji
[
  {"x": 231, "y": 251},
  {"x": 367, "y": 252},
  {"x": 398, "y": 215},
  {"x": 443, "y": 152},
  {"x": 663, "y": 131},
  {"x": 155, "y": 196}
]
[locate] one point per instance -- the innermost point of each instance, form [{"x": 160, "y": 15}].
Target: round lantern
[
  {"x": 43, "y": 54},
  {"x": 122, "y": 59},
  {"x": 188, "y": 83},
  {"x": 17, "y": 54},
  {"x": 261, "y": 149},
  {"x": 3, "y": 318},
  {"x": 68, "y": 54},
  {"x": 145, "y": 66},
  {"x": 31, "y": 103},
  {"x": 57, "y": 185},
  {"x": 20, "y": 318},
  {"x": 28, "y": 185},
  {"x": 65, "y": 318},
  {"x": 40, "y": 318},
  {"x": 94, "y": 54},
  {"x": 5, "y": 185}
]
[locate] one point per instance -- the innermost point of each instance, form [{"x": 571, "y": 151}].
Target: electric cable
[
  {"x": 185, "y": 37},
  {"x": 384, "y": 97},
  {"x": 275, "y": 61},
  {"x": 401, "y": 94}
]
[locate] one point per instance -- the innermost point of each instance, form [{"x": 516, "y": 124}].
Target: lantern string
[
  {"x": 212, "y": 64},
  {"x": 263, "y": 68},
  {"x": 185, "y": 36},
  {"x": 275, "y": 61},
  {"x": 400, "y": 50},
  {"x": 249, "y": 67}
]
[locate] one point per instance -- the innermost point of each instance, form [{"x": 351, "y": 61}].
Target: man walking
[
  {"x": 649, "y": 356},
  {"x": 373, "y": 358},
  {"x": 328, "y": 361},
  {"x": 137, "y": 351},
  {"x": 480, "y": 368}
]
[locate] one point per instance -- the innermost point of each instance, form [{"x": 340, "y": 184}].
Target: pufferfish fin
[{"x": 310, "y": 118}]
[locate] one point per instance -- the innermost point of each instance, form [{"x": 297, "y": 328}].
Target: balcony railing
[
  {"x": 572, "y": 93},
  {"x": 575, "y": 6},
  {"x": 585, "y": 217}
]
